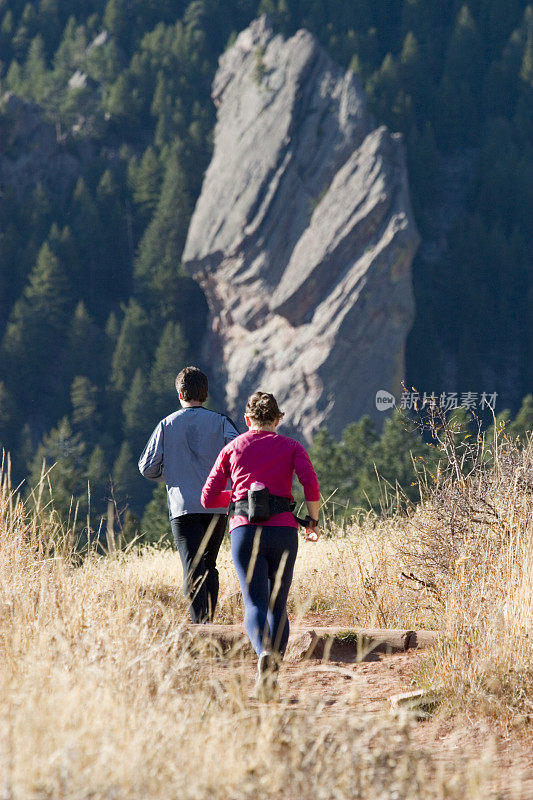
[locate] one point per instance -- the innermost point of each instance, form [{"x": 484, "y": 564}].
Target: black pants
[{"x": 198, "y": 553}]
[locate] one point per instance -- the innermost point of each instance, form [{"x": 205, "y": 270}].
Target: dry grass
[
  {"x": 101, "y": 696},
  {"x": 470, "y": 551}
]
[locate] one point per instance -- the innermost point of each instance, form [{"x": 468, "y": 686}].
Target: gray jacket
[{"x": 181, "y": 451}]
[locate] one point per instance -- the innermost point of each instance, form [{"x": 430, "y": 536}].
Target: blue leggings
[{"x": 265, "y": 593}]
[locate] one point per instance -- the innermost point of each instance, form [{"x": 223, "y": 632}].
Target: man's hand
[{"x": 312, "y": 534}]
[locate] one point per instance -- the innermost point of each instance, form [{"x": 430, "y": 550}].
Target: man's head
[{"x": 192, "y": 385}]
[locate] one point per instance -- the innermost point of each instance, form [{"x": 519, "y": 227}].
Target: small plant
[{"x": 259, "y": 66}]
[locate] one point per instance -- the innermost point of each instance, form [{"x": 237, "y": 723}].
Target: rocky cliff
[
  {"x": 303, "y": 236},
  {"x": 32, "y": 150}
]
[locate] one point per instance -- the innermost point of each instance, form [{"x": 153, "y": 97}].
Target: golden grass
[
  {"x": 101, "y": 696},
  {"x": 461, "y": 563},
  {"x": 478, "y": 554}
]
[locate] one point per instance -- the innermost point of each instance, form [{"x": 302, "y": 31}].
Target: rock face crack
[{"x": 303, "y": 236}]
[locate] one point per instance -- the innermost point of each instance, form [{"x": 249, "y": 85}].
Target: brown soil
[{"x": 505, "y": 751}]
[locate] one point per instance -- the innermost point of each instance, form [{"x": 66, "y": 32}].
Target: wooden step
[{"x": 323, "y": 643}]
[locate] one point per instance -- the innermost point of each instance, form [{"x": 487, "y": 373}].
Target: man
[{"x": 181, "y": 451}]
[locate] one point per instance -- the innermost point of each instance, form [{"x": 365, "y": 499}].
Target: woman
[{"x": 264, "y": 552}]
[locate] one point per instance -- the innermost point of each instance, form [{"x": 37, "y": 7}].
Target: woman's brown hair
[{"x": 262, "y": 408}]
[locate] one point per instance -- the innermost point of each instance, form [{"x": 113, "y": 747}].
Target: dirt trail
[{"x": 367, "y": 685}]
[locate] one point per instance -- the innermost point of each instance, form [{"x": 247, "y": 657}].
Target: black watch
[{"x": 310, "y": 522}]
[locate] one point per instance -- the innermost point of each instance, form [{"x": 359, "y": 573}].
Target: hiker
[
  {"x": 264, "y": 532},
  {"x": 181, "y": 451}
]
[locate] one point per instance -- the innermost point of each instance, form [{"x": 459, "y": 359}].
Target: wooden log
[{"x": 322, "y": 643}]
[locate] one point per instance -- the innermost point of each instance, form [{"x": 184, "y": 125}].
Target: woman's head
[{"x": 262, "y": 410}]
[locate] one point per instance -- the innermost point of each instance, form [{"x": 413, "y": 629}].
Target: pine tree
[
  {"x": 358, "y": 440},
  {"x": 86, "y": 228},
  {"x": 426, "y": 20},
  {"x": 413, "y": 71},
  {"x": 7, "y": 419},
  {"x": 129, "y": 488},
  {"x": 7, "y": 27},
  {"x": 26, "y": 30},
  {"x": 47, "y": 294},
  {"x": 147, "y": 183},
  {"x": 71, "y": 51},
  {"x": 111, "y": 399},
  {"x": 387, "y": 97},
  {"x": 112, "y": 332},
  {"x": 139, "y": 416},
  {"x": 37, "y": 324},
  {"x": 15, "y": 78},
  {"x": 36, "y": 77},
  {"x": 63, "y": 454},
  {"x": 327, "y": 461},
  {"x": 155, "y": 527},
  {"x": 384, "y": 85},
  {"x": 12, "y": 274},
  {"x": 83, "y": 350},
  {"x": 115, "y": 18},
  {"x": 162, "y": 244},
  {"x": 498, "y": 18},
  {"x": 104, "y": 63},
  {"x": 465, "y": 56},
  {"x": 162, "y": 108},
  {"x": 86, "y": 417},
  {"x": 131, "y": 352},
  {"x": 98, "y": 480},
  {"x": 65, "y": 248},
  {"x": 121, "y": 101},
  {"x": 170, "y": 358},
  {"x": 392, "y": 460},
  {"x": 113, "y": 273},
  {"x": 526, "y": 71},
  {"x": 50, "y": 23}
]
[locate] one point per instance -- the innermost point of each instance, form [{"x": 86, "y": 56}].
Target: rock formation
[
  {"x": 303, "y": 236},
  {"x": 33, "y": 150}
]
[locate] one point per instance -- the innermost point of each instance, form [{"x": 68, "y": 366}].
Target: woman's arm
[
  {"x": 313, "y": 507},
  {"x": 308, "y": 478},
  {"x": 214, "y": 492}
]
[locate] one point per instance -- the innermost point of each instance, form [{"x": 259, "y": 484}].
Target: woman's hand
[
  {"x": 312, "y": 534},
  {"x": 311, "y": 521}
]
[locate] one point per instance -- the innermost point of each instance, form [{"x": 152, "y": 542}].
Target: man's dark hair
[{"x": 193, "y": 384}]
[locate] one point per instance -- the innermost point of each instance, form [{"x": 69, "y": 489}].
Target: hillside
[
  {"x": 107, "y": 692},
  {"x": 106, "y": 127}
]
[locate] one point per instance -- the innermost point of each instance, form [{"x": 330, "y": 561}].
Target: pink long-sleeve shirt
[{"x": 265, "y": 457}]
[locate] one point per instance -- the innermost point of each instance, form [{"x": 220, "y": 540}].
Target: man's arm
[
  {"x": 230, "y": 429},
  {"x": 151, "y": 460}
]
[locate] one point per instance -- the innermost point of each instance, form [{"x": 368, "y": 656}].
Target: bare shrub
[{"x": 468, "y": 549}]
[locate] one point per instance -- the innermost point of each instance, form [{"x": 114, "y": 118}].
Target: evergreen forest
[{"x": 96, "y": 313}]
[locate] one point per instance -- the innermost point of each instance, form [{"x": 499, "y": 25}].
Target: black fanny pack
[{"x": 260, "y": 505}]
